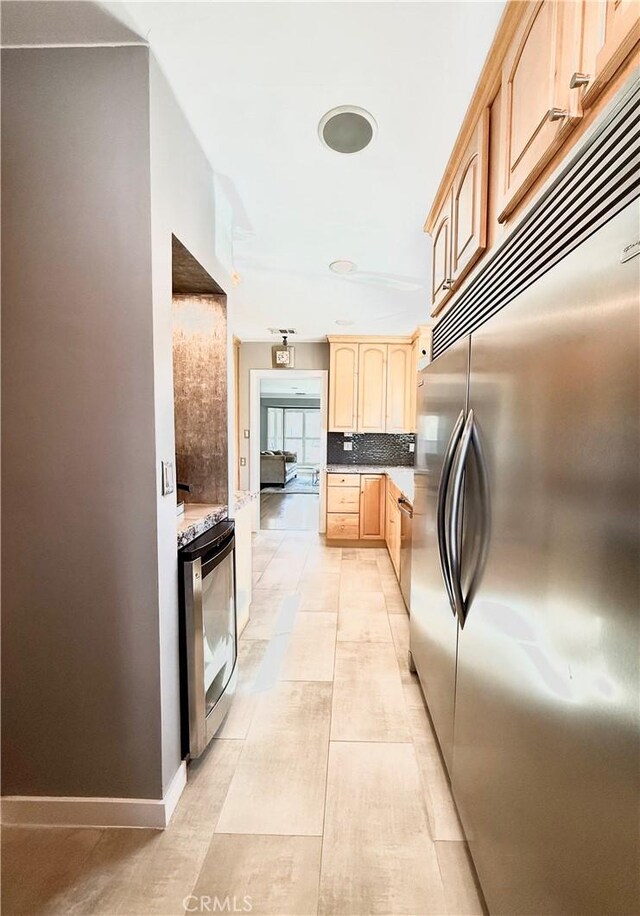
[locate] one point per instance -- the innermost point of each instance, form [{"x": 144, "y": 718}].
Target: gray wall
[
  {"x": 182, "y": 203},
  {"x": 80, "y": 662},
  {"x": 271, "y": 401},
  {"x": 257, "y": 355},
  {"x": 90, "y": 597}
]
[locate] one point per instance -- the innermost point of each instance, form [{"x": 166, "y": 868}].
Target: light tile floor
[{"x": 324, "y": 792}]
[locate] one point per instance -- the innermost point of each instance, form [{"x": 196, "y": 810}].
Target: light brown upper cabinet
[
  {"x": 343, "y": 389},
  {"x": 537, "y": 112},
  {"x": 470, "y": 186},
  {"x": 400, "y": 373},
  {"x": 441, "y": 281},
  {"x": 372, "y": 506},
  {"x": 372, "y": 388},
  {"x": 371, "y": 384},
  {"x": 459, "y": 230},
  {"x": 553, "y": 67},
  {"x": 606, "y": 31}
]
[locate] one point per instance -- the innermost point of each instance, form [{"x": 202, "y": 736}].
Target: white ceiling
[
  {"x": 254, "y": 79},
  {"x": 289, "y": 387}
]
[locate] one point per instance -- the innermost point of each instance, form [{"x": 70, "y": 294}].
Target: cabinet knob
[
  {"x": 556, "y": 114},
  {"x": 447, "y": 284},
  {"x": 579, "y": 79}
]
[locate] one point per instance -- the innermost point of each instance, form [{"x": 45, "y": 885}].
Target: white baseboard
[{"x": 95, "y": 812}]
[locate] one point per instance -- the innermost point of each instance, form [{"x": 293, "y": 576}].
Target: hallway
[
  {"x": 289, "y": 511},
  {"x": 324, "y": 791}
]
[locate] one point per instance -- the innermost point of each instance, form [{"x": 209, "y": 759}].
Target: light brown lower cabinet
[
  {"x": 343, "y": 526},
  {"x": 372, "y": 506},
  {"x": 393, "y": 527},
  {"x": 356, "y": 506},
  {"x": 343, "y": 499}
]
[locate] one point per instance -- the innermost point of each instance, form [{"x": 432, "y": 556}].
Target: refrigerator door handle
[
  {"x": 445, "y": 563},
  {"x": 484, "y": 534},
  {"x": 457, "y": 477}
]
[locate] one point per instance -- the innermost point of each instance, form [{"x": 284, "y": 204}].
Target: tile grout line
[{"x": 326, "y": 781}]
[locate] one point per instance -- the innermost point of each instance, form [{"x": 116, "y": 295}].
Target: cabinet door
[
  {"x": 372, "y": 388},
  {"x": 372, "y": 500},
  {"x": 536, "y": 96},
  {"x": 469, "y": 218},
  {"x": 607, "y": 31},
  {"x": 393, "y": 533},
  {"x": 399, "y": 388},
  {"x": 441, "y": 280},
  {"x": 413, "y": 386},
  {"x": 343, "y": 387}
]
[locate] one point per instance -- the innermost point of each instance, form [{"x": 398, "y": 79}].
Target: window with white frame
[{"x": 295, "y": 430}]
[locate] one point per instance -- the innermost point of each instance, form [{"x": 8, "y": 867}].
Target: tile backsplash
[{"x": 376, "y": 449}]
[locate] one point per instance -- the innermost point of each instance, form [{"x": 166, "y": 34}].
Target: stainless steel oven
[{"x": 208, "y": 634}]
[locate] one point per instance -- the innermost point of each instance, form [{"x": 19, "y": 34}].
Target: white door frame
[{"x": 255, "y": 377}]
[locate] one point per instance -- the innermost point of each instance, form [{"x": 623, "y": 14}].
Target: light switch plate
[
  {"x": 167, "y": 478},
  {"x": 347, "y": 446}
]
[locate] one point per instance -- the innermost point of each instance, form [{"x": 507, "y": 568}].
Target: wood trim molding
[
  {"x": 483, "y": 95},
  {"x": 47, "y": 811},
  {"x": 364, "y": 338}
]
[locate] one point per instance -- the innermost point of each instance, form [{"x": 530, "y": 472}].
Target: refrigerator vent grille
[{"x": 599, "y": 182}]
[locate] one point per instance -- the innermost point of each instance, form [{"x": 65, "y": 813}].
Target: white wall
[{"x": 257, "y": 355}]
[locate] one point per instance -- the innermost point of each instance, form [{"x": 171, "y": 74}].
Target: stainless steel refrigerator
[{"x": 525, "y": 602}]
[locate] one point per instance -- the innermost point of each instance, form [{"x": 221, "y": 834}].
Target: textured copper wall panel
[{"x": 200, "y": 392}]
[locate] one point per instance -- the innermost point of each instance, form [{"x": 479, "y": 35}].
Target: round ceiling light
[
  {"x": 347, "y": 129},
  {"x": 342, "y": 267}
]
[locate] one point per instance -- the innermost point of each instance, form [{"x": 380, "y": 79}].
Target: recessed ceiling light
[
  {"x": 347, "y": 129},
  {"x": 342, "y": 267},
  {"x": 344, "y": 322}
]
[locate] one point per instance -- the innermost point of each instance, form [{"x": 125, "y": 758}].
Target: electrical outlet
[
  {"x": 412, "y": 446},
  {"x": 243, "y": 462},
  {"x": 348, "y": 435},
  {"x": 247, "y": 433},
  {"x": 167, "y": 478},
  {"x": 347, "y": 446}
]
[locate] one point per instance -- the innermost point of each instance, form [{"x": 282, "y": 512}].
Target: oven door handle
[
  {"x": 405, "y": 506},
  {"x": 210, "y": 563}
]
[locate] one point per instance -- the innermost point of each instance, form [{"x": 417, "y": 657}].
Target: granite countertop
[
  {"x": 196, "y": 519},
  {"x": 401, "y": 476}
]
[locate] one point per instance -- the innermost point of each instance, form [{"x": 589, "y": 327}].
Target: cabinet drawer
[
  {"x": 343, "y": 480},
  {"x": 343, "y": 499},
  {"x": 341, "y": 525}
]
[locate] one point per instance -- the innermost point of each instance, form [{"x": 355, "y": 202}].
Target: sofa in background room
[{"x": 277, "y": 468}]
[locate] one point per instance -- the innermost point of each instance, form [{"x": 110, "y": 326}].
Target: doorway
[{"x": 288, "y": 450}]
